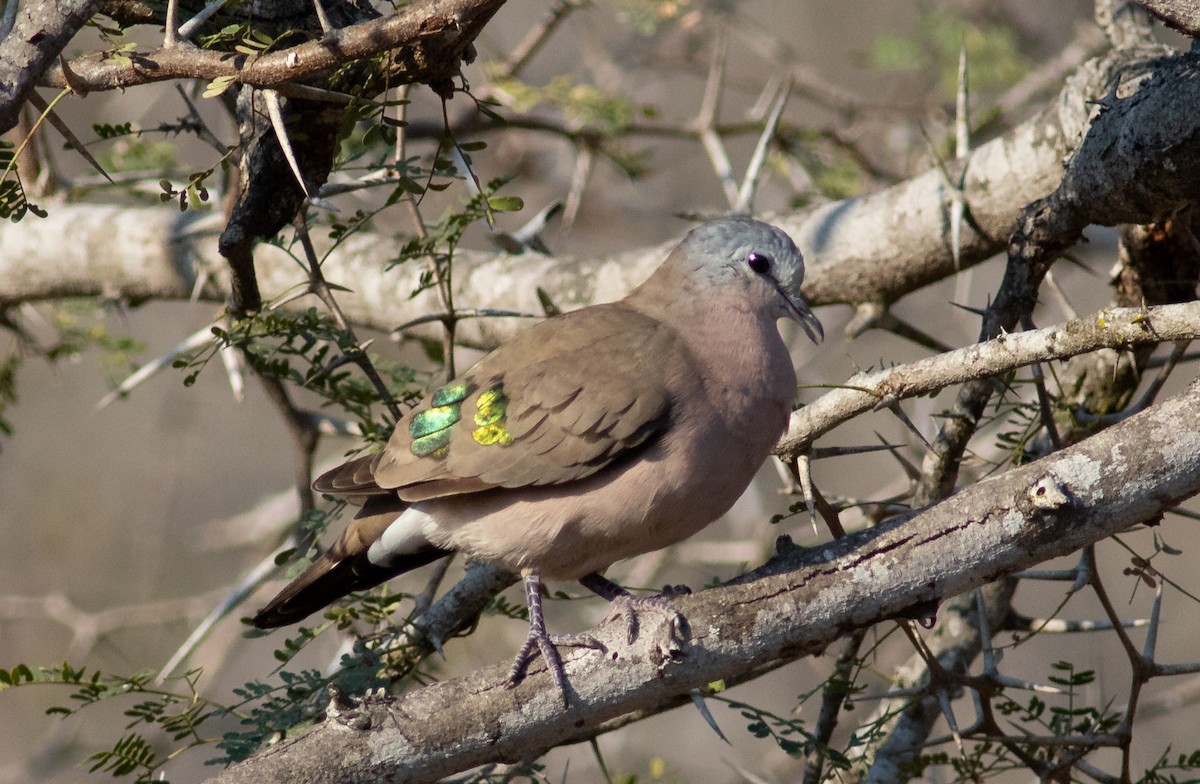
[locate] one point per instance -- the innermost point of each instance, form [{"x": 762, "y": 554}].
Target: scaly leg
[{"x": 540, "y": 641}]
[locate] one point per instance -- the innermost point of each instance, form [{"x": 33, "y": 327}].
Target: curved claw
[
  {"x": 630, "y": 606},
  {"x": 548, "y": 645},
  {"x": 627, "y": 605}
]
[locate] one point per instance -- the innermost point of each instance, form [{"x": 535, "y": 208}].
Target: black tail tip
[
  {"x": 276, "y": 615},
  {"x": 328, "y": 580}
]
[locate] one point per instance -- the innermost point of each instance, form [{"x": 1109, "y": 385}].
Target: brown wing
[
  {"x": 353, "y": 478},
  {"x": 558, "y": 403}
]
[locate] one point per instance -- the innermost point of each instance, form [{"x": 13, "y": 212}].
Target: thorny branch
[
  {"x": 789, "y": 607},
  {"x": 1116, "y": 328},
  {"x": 1043, "y": 231},
  {"x": 444, "y": 27},
  {"x": 39, "y": 33}
]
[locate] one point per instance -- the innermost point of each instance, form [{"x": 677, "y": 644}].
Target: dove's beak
[{"x": 798, "y": 311}]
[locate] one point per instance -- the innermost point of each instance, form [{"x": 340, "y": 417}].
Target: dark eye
[{"x": 759, "y": 263}]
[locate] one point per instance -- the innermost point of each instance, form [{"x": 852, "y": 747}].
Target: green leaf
[
  {"x": 490, "y": 113},
  {"x": 409, "y": 185},
  {"x": 218, "y": 86}
]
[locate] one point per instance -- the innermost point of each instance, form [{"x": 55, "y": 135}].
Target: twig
[
  {"x": 833, "y": 697},
  {"x": 705, "y": 123},
  {"x": 1106, "y": 329},
  {"x": 537, "y": 36},
  {"x": 750, "y": 182},
  {"x": 87, "y": 629},
  {"x": 230, "y": 601},
  {"x": 193, "y": 25},
  {"x": 319, "y": 286},
  {"x": 278, "y": 69}
]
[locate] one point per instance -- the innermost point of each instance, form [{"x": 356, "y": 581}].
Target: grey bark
[
  {"x": 869, "y": 249},
  {"x": 41, "y": 31},
  {"x": 790, "y": 607}
]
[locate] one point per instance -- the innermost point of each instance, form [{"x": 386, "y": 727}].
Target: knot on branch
[{"x": 1048, "y": 494}]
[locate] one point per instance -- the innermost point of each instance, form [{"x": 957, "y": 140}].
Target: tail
[
  {"x": 345, "y": 567},
  {"x": 330, "y": 578}
]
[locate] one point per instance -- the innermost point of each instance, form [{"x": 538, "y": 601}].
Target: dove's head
[{"x": 755, "y": 259}]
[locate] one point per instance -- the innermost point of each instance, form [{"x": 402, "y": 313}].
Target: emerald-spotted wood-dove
[{"x": 594, "y": 436}]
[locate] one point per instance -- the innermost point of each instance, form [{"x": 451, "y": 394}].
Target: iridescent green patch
[
  {"x": 491, "y": 410},
  {"x": 435, "y": 444},
  {"x": 451, "y": 393},
  {"x": 431, "y": 420},
  {"x": 430, "y": 429}
]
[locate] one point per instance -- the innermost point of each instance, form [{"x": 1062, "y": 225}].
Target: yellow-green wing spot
[
  {"x": 491, "y": 411},
  {"x": 430, "y": 429}
]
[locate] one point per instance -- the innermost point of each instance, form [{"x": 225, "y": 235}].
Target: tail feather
[
  {"x": 328, "y": 579},
  {"x": 346, "y": 567}
]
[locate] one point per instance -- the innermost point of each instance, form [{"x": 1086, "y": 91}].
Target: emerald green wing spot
[
  {"x": 434, "y": 444},
  {"x": 451, "y": 393},
  {"x": 431, "y": 429},
  {"x": 491, "y": 413},
  {"x": 433, "y": 420}
]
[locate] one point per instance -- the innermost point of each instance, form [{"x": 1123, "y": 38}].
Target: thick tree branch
[
  {"x": 874, "y": 248},
  {"x": 790, "y": 607},
  {"x": 1181, "y": 15},
  {"x": 38, "y": 36},
  {"x": 428, "y": 34}
]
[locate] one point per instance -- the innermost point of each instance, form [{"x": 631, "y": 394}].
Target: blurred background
[{"x": 123, "y": 526}]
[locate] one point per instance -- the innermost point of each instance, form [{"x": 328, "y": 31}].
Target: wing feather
[{"x": 556, "y": 404}]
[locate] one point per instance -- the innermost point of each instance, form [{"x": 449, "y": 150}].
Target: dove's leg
[
  {"x": 626, "y": 604},
  {"x": 540, "y": 641}
]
